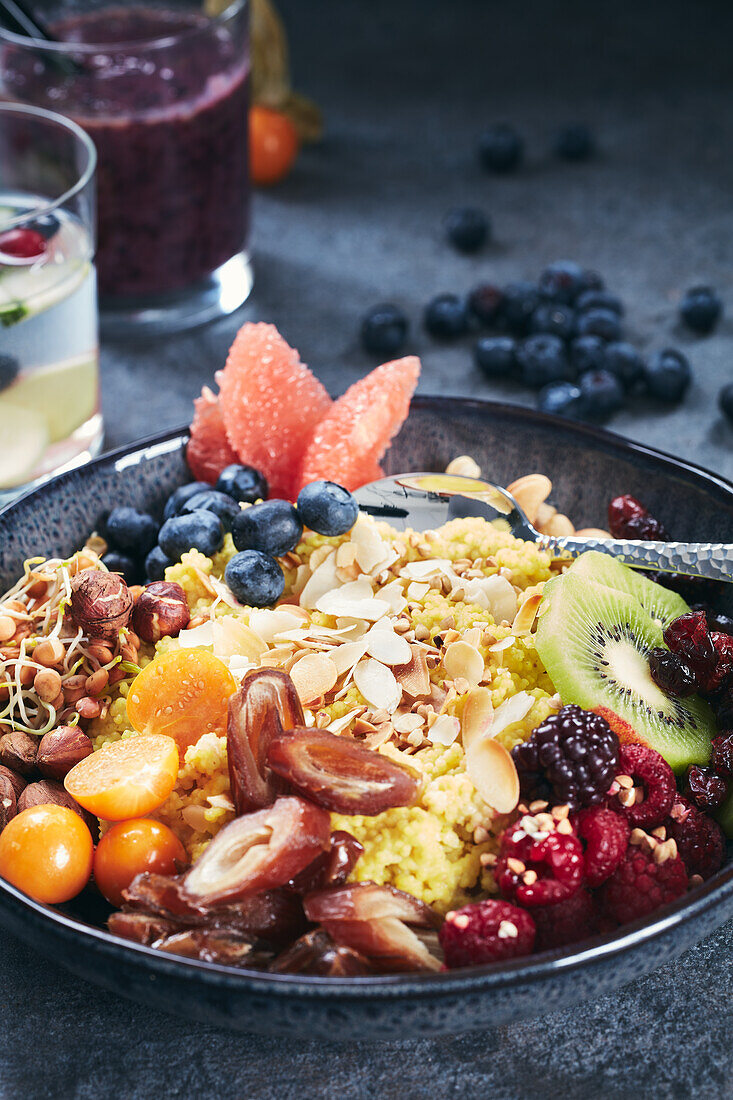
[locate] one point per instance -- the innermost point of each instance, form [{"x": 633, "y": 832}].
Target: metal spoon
[{"x": 424, "y": 501}]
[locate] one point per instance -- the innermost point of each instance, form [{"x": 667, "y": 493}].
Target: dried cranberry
[
  {"x": 723, "y": 670},
  {"x": 629, "y": 519},
  {"x": 567, "y": 921},
  {"x": 671, "y": 673},
  {"x": 689, "y": 637},
  {"x": 648, "y": 767},
  {"x": 606, "y": 836},
  {"x": 486, "y": 932},
  {"x": 539, "y": 869},
  {"x": 639, "y": 886},
  {"x": 721, "y": 759},
  {"x": 705, "y": 788},
  {"x": 23, "y": 243},
  {"x": 700, "y": 841}
]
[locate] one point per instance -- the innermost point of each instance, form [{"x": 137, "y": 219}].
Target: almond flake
[
  {"x": 353, "y": 629},
  {"x": 347, "y": 655},
  {"x": 477, "y": 716},
  {"x": 444, "y": 730},
  {"x": 239, "y": 665},
  {"x": 322, "y": 580},
  {"x": 473, "y": 636},
  {"x": 340, "y": 724},
  {"x": 313, "y": 676},
  {"x": 195, "y": 818},
  {"x": 268, "y": 623},
  {"x": 319, "y": 555},
  {"x": 276, "y": 658},
  {"x": 525, "y": 617},
  {"x": 382, "y": 733},
  {"x": 493, "y": 774},
  {"x": 386, "y": 646},
  {"x": 348, "y": 573},
  {"x": 377, "y": 684},
  {"x": 418, "y": 590},
  {"x": 354, "y": 599},
  {"x": 346, "y": 555},
  {"x": 464, "y": 661},
  {"x": 429, "y": 567},
  {"x": 197, "y": 636},
  {"x": 224, "y": 592},
  {"x": 511, "y": 710},
  {"x": 394, "y": 596},
  {"x": 499, "y": 647},
  {"x": 495, "y": 595},
  {"x": 413, "y": 675},
  {"x": 302, "y": 573},
  {"x": 232, "y": 638},
  {"x": 406, "y": 723},
  {"x": 220, "y": 802},
  {"x": 371, "y": 549}
]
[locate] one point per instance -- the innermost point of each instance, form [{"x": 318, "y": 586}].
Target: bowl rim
[{"x": 531, "y": 968}]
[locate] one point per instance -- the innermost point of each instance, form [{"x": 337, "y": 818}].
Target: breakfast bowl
[{"x": 588, "y": 467}]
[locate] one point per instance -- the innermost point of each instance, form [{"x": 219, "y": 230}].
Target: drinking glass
[
  {"x": 163, "y": 92},
  {"x": 49, "y": 393}
]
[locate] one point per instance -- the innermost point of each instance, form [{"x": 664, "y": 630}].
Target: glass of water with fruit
[{"x": 49, "y": 393}]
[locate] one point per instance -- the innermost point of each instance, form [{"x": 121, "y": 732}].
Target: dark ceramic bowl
[{"x": 587, "y": 467}]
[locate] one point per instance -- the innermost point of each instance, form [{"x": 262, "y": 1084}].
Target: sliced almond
[
  {"x": 346, "y": 656},
  {"x": 382, "y": 733},
  {"x": 593, "y": 533},
  {"x": 512, "y": 710},
  {"x": 220, "y": 802},
  {"x": 444, "y": 730},
  {"x": 493, "y": 773},
  {"x": 233, "y": 637},
  {"x": 197, "y": 636},
  {"x": 406, "y": 723},
  {"x": 378, "y": 685},
  {"x": 428, "y": 567},
  {"x": 267, "y": 623},
  {"x": 313, "y": 676},
  {"x": 346, "y": 554},
  {"x": 302, "y": 575},
  {"x": 384, "y": 644},
  {"x": 394, "y": 594},
  {"x": 417, "y": 590},
  {"x": 322, "y": 580},
  {"x": 464, "y": 661},
  {"x": 355, "y": 599},
  {"x": 319, "y": 555},
  {"x": 499, "y": 647},
  {"x": 277, "y": 658},
  {"x": 473, "y": 636},
  {"x": 477, "y": 716},
  {"x": 371, "y": 549},
  {"x": 340, "y": 724},
  {"x": 525, "y": 617},
  {"x": 529, "y": 492},
  {"x": 414, "y": 676}
]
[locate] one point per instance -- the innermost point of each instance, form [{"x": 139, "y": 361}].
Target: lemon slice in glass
[{"x": 25, "y": 438}]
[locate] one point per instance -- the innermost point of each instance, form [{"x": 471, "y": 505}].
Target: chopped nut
[
  {"x": 161, "y": 611},
  {"x": 625, "y": 781},
  {"x": 60, "y": 750},
  {"x": 529, "y": 878},
  {"x": 516, "y": 865},
  {"x": 564, "y": 827},
  {"x": 507, "y": 929},
  {"x": 101, "y": 603}
]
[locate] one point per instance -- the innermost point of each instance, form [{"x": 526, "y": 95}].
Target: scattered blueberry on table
[
  {"x": 384, "y": 331},
  {"x": 496, "y": 356},
  {"x": 467, "y": 228},
  {"x": 446, "y": 317},
  {"x": 725, "y": 400},
  {"x": 575, "y": 143},
  {"x": 501, "y": 149},
  {"x": 701, "y": 309}
]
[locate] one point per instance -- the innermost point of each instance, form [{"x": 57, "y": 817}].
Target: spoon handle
[{"x": 713, "y": 560}]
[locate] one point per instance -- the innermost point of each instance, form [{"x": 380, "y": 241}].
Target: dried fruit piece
[
  {"x": 217, "y": 945},
  {"x": 340, "y": 774},
  {"x": 368, "y": 901},
  {"x": 126, "y": 778},
  {"x": 331, "y": 868},
  {"x": 139, "y": 927},
  {"x": 265, "y": 705},
  {"x": 316, "y": 953},
  {"x": 182, "y": 694},
  {"x": 389, "y": 944},
  {"x": 259, "y": 851},
  {"x": 208, "y": 451}
]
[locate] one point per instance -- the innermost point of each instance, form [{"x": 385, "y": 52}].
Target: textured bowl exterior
[{"x": 587, "y": 467}]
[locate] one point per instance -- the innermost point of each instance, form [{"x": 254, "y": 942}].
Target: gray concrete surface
[{"x": 405, "y": 88}]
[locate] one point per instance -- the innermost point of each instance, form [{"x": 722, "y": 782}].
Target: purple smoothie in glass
[{"x": 164, "y": 96}]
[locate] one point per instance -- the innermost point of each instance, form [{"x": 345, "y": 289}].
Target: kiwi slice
[
  {"x": 661, "y": 604},
  {"x": 594, "y": 642}
]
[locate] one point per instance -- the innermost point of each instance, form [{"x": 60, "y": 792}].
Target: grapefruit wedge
[{"x": 208, "y": 450}]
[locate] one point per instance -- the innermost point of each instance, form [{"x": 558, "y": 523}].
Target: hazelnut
[
  {"x": 60, "y": 750},
  {"x": 8, "y": 801},
  {"x": 161, "y": 611},
  {"x": 47, "y": 792},
  {"x": 17, "y": 781},
  {"x": 100, "y": 603},
  {"x": 18, "y": 751}
]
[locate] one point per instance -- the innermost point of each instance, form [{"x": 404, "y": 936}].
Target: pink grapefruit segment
[
  {"x": 209, "y": 450},
  {"x": 271, "y": 404},
  {"x": 350, "y": 441}
]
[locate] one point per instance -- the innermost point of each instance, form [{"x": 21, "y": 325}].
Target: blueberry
[
  {"x": 587, "y": 353},
  {"x": 256, "y": 579},
  {"x": 130, "y": 530},
  {"x": 600, "y": 322},
  {"x": 667, "y": 375},
  {"x": 520, "y": 301},
  {"x": 180, "y": 495},
  {"x": 554, "y": 318},
  {"x": 562, "y": 399},
  {"x": 484, "y": 303},
  {"x": 562, "y": 281},
  {"x": 467, "y": 228},
  {"x": 725, "y": 400},
  {"x": 242, "y": 483},
  {"x": 274, "y": 527},
  {"x": 156, "y": 564},
  {"x": 327, "y": 508},
  {"x": 500, "y": 148},
  {"x": 592, "y": 281},
  {"x": 199, "y": 531},
  {"x": 575, "y": 142},
  {"x": 496, "y": 356},
  {"x": 625, "y": 362},
  {"x": 211, "y": 500},
  {"x": 701, "y": 309},
  {"x": 446, "y": 317},
  {"x": 384, "y": 330},
  {"x": 47, "y": 225},
  {"x": 599, "y": 299},
  {"x": 124, "y": 564},
  {"x": 9, "y": 370},
  {"x": 542, "y": 359},
  {"x": 601, "y": 392}
]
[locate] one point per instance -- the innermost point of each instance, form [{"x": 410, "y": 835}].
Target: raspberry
[
  {"x": 639, "y": 886},
  {"x": 700, "y": 841},
  {"x": 486, "y": 932},
  {"x": 566, "y": 922},
  {"x": 721, "y": 759},
  {"x": 706, "y": 789},
  {"x": 689, "y": 637},
  {"x": 628, "y": 519},
  {"x": 575, "y": 753},
  {"x": 538, "y": 867},
  {"x": 606, "y": 836},
  {"x": 657, "y": 779}
]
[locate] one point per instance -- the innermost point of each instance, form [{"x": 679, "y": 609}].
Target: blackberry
[{"x": 573, "y": 755}]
